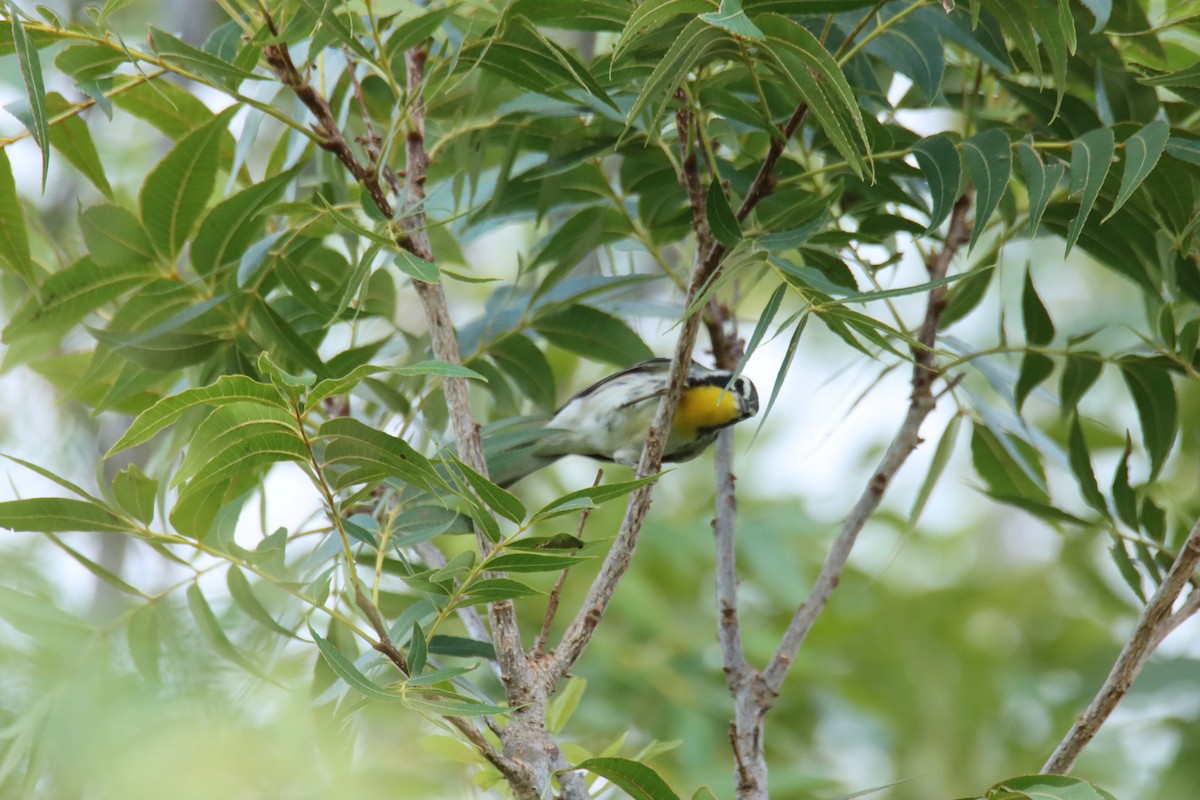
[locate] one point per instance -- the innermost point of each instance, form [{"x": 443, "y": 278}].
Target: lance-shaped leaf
[
  {"x": 239, "y": 438},
  {"x": 372, "y": 455},
  {"x": 30, "y": 66},
  {"x": 1040, "y": 181},
  {"x": 692, "y": 43},
  {"x": 177, "y": 189},
  {"x": 14, "y": 235},
  {"x": 1142, "y": 151},
  {"x": 801, "y": 60},
  {"x": 1091, "y": 156},
  {"x": 233, "y": 224},
  {"x": 1153, "y": 393},
  {"x": 650, "y": 16},
  {"x": 227, "y": 389},
  {"x": 989, "y": 159},
  {"x": 344, "y": 668},
  {"x": 941, "y": 167},
  {"x": 58, "y": 514},
  {"x": 633, "y": 777}
]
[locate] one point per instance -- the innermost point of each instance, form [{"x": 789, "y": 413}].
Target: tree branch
[
  {"x": 905, "y": 441},
  {"x": 1153, "y": 624},
  {"x": 521, "y": 689},
  {"x": 526, "y": 750}
]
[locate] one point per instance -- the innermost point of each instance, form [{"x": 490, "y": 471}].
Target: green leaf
[
  {"x": 212, "y": 629},
  {"x": 68, "y": 296},
  {"x": 416, "y": 267},
  {"x": 692, "y": 43},
  {"x": 460, "y": 647},
  {"x": 243, "y": 594},
  {"x": 135, "y": 493},
  {"x": 143, "y": 640},
  {"x": 1039, "y": 329},
  {"x": 1081, "y": 465},
  {"x": 730, "y": 17},
  {"x": 14, "y": 236},
  {"x": 913, "y": 47},
  {"x": 417, "y": 650},
  {"x": 802, "y": 61},
  {"x": 72, "y": 139},
  {"x": 532, "y": 562},
  {"x": 344, "y": 668},
  {"x": 564, "y": 703},
  {"x": 1142, "y": 151},
  {"x": 937, "y": 465},
  {"x": 636, "y": 779},
  {"x": 593, "y": 334},
  {"x": 1153, "y": 393},
  {"x": 651, "y": 15},
  {"x": 989, "y": 160},
  {"x": 115, "y": 237},
  {"x": 438, "y": 368},
  {"x": 416, "y": 30},
  {"x": 1035, "y": 368},
  {"x": 1123, "y": 495},
  {"x": 193, "y": 59},
  {"x": 1184, "y": 149},
  {"x": 373, "y": 455},
  {"x": 1091, "y": 156},
  {"x": 35, "y": 91},
  {"x": 1079, "y": 375},
  {"x": 456, "y": 706},
  {"x": 496, "y": 498},
  {"x": 595, "y": 495},
  {"x": 721, "y": 219},
  {"x": 942, "y": 168},
  {"x": 237, "y": 439},
  {"x": 493, "y": 590},
  {"x": 559, "y": 541},
  {"x": 330, "y": 21},
  {"x": 227, "y": 389},
  {"x": 232, "y": 225},
  {"x": 526, "y": 364},
  {"x": 89, "y": 62},
  {"x": 1007, "y": 465},
  {"x": 170, "y": 108},
  {"x": 177, "y": 189},
  {"x": 59, "y": 514},
  {"x": 966, "y": 295},
  {"x": 1050, "y": 787},
  {"x": 1040, "y": 180},
  {"x": 97, "y": 570},
  {"x": 1128, "y": 570}
]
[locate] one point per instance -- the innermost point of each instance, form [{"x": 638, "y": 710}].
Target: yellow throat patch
[{"x": 704, "y": 408}]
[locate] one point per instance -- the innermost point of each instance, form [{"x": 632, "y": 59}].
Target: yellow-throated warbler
[{"x": 609, "y": 420}]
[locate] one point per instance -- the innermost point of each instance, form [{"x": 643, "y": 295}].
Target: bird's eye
[{"x": 739, "y": 385}]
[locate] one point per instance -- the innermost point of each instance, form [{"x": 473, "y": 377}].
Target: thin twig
[
  {"x": 906, "y": 440},
  {"x": 1155, "y": 621},
  {"x": 728, "y": 633}
]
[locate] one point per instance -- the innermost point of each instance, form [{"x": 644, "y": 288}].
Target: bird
[{"x": 610, "y": 420}]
